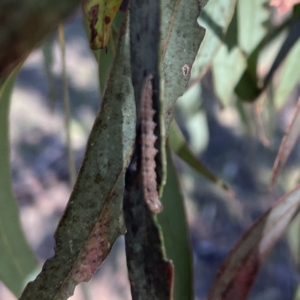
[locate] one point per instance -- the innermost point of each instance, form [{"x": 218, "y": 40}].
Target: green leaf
[
  {"x": 181, "y": 39},
  {"x": 145, "y": 20},
  {"x": 97, "y": 195},
  {"x": 17, "y": 261},
  {"x": 231, "y": 36},
  {"x": 176, "y": 233},
  {"x": 106, "y": 57},
  {"x": 297, "y": 293},
  {"x": 150, "y": 273},
  {"x": 144, "y": 246},
  {"x": 294, "y": 242},
  {"x": 288, "y": 77},
  {"x": 289, "y": 42},
  {"x": 93, "y": 218},
  {"x": 194, "y": 118},
  {"x": 227, "y": 68},
  {"x": 249, "y": 86},
  {"x": 251, "y": 18},
  {"x": 215, "y": 18},
  {"x": 100, "y": 15},
  {"x": 180, "y": 147}
]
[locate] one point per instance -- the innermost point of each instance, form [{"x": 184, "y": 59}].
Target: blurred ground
[{"x": 40, "y": 175}]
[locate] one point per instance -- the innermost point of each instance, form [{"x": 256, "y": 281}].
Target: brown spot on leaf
[
  {"x": 94, "y": 12},
  {"x": 185, "y": 70},
  {"x": 107, "y": 20},
  {"x": 94, "y": 19}
]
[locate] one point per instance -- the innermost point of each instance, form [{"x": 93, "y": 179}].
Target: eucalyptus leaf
[
  {"x": 288, "y": 77},
  {"x": 194, "y": 118},
  {"x": 100, "y": 15},
  {"x": 227, "y": 68},
  {"x": 293, "y": 240},
  {"x": 17, "y": 260},
  {"x": 93, "y": 217},
  {"x": 231, "y": 36},
  {"x": 181, "y": 39},
  {"x": 180, "y": 147},
  {"x": 150, "y": 274},
  {"x": 240, "y": 268},
  {"x": 251, "y": 18},
  {"x": 95, "y": 203},
  {"x": 251, "y": 30},
  {"x": 175, "y": 230},
  {"x": 249, "y": 85},
  {"x": 146, "y": 282},
  {"x": 288, "y": 44},
  {"x": 106, "y": 56},
  {"x": 215, "y": 18}
]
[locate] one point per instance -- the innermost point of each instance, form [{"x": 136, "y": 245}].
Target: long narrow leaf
[
  {"x": 288, "y": 44},
  {"x": 238, "y": 272},
  {"x": 180, "y": 147},
  {"x": 251, "y": 18},
  {"x": 215, "y": 18},
  {"x": 181, "y": 40},
  {"x": 93, "y": 217},
  {"x": 288, "y": 77},
  {"x": 16, "y": 258},
  {"x": 100, "y": 183},
  {"x": 249, "y": 87},
  {"x": 175, "y": 230},
  {"x": 150, "y": 274},
  {"x": 287, "y": 145},
  {"x": 100, "y": 15},
  {"x": 227, "y": 68}
]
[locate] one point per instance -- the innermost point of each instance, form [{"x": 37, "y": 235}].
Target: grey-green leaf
[
  {"x": 16, "y": 258},
  {"x": 251, "y": 18},
  {"x": 288, "y": 77},
  {"x": 176, "y": 234},
  {"x": 179, "y": 145},
  {"x": 181, "y": 39},
  {"x": 93, "y": 217},
  {"x": 215, "y": 18},
  {"x": 227, "y": 68}
]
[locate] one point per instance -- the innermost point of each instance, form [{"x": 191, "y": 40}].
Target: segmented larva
[{"x": 148, "y": 149}]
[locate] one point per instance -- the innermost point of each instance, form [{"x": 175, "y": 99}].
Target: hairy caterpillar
[{"x": 148, "y": 150}]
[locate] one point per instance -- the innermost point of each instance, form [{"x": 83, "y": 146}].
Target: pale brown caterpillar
[{"x": 148, "y": 150}]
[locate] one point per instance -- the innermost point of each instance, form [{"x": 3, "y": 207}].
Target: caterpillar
[{"x": 148, "y": 150}]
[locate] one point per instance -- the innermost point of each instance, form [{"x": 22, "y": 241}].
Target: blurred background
[{"x": 237, "y": 141}]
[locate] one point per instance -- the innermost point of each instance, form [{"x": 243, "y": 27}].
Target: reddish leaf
[
  {"x": 240, "y": 268},
  {"x": 287, "y": 145}
]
